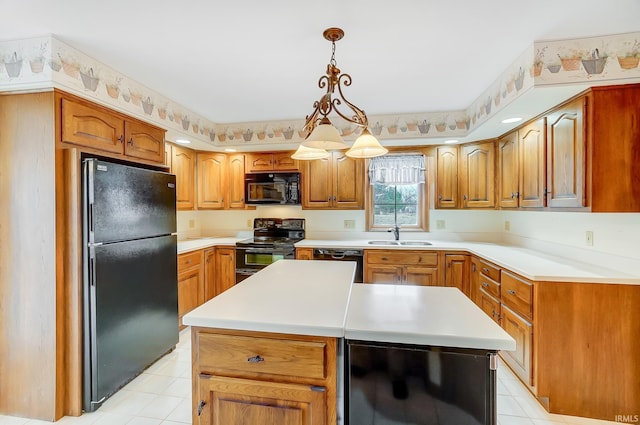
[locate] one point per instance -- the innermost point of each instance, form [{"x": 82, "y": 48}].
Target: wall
[{"x": 615, "y": 236}]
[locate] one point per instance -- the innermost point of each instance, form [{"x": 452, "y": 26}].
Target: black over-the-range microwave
[{"x": 272, "y": 188}]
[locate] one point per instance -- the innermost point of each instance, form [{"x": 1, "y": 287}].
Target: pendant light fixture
[
  {"x": 321, "y": 133},
  {"x": 305, "y": 154}
]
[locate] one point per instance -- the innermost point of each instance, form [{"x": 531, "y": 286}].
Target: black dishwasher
[{"x": 341, "y": 255}]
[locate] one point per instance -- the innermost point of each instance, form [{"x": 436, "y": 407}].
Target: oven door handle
[{"x": 258, "y": 250}]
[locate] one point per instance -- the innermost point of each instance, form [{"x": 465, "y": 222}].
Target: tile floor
[{"x": 162, "y": 396}]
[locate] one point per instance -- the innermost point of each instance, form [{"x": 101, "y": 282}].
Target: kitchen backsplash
[{"x": 557, "y": 233}]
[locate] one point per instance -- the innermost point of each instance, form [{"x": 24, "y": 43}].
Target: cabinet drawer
[
  {"x": 489, "y": 285},
  {"x": 189, "y": 260},
  {"x": 517, "y": 294},
  {"x": 247, "y": 356},
  {"x": 402, "y": 257},
  {"x": 489, "y": 270},
  {"x": 489, "y": 305}
]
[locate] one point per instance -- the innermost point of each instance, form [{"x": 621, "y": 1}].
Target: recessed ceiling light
[
  {"x": 229, "y": 150},
  {"x": 448, "y": 142},
  {"x": 183, "y": 141},
  {"x": 511, "y": 120}
]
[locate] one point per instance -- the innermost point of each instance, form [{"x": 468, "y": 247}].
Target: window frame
[{"x": 423, "y": 196}]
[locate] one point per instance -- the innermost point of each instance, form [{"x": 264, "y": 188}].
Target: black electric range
[{"x": 273, "y": 240}]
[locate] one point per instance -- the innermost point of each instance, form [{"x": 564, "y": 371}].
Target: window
[{"x": 397, "y": 192}]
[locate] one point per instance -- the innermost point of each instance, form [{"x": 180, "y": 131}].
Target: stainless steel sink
[
  {"x": 415, "y": 243},
  {"x": 384, "y": 243}
]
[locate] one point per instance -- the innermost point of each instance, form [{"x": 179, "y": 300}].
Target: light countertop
[
  {"x": 528, "y": 263},
  {"x": 289, "y": 296},
  {"x": 318, "y": 298},
  {"x": 193, "y": 244},
  {"x": 421, "y": 315}
]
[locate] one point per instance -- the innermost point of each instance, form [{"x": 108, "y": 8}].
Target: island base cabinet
[
  {"x": 232, "y": 401},
  {"x": 244, "y": 377}
]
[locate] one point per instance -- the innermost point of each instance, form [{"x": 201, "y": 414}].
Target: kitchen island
[{"x": 272, "y": 349}]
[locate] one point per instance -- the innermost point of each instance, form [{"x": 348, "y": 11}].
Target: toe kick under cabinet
[{"x": 268, "y": 378}]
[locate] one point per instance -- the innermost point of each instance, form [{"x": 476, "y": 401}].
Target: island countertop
[{"x": 308, "y": 297}]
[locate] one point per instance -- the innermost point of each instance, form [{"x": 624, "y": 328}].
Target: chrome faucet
[{"x": 396, "y": 232}]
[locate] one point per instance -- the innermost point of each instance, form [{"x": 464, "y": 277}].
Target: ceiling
[{"x": 257, "y": 60}]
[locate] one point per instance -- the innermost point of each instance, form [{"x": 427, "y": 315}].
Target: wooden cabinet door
[
  {"x": 225, "y": 268},
  {"x": 383, "y": 274},
  {"x": 304, "y": 253},
  {"x": 522, "y": 331},
  {"x": 419, "y": 275},
  {"x": 233, "y": 401},
  {"x": 508, "y": 171},
  {"x": 489, "y": 305},
  {"x": 566, "y": 156},
  {"x": 348, "y": 182},
  {"x": 183, "y": 163},
  {"x": 260, "y": 161},
  {"x": 209, "y": 274},
  {"x": 447, "y": 177},
  {"x": 317, "y": 184},
  {"x": 282, "y": 161},
  {"x": 235, "y": 186},
  {"x": 212, "y": 180},
  {"x": 474, "y": 293},
  {"x": 477, "y": 172},
  {"x": 457, "y": 272},
  {"x": 143, "y": 141},
  {"x": 532, "y": 164},
  {"x": 91, "y": 127},
  {"x": 190, "y": 293},
  {"x": 168, "y": 155}
]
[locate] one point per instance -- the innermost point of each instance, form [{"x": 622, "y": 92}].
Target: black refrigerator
[{"x": 130, "y": 274}]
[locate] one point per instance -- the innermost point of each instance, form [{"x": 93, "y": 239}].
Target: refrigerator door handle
[{"x": 92, "y": 262}]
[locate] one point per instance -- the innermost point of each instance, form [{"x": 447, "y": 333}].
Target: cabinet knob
[
  {"x": 130, "y": 142},
  {"x": 485, "y": 284},
  {"x": 440, "y": 197},
  {"x": 255, "y": 359},
  {"x": 511, "y": 292},
  {"x": 121, "y": 139},
  {"x": 188, "y": 262},
  {"x": 485, "y": 270}
]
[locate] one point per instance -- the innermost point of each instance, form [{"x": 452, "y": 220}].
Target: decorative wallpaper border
[{"x": 46, "y": 62}]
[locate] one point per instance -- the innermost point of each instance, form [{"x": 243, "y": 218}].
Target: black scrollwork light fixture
[{"x": 321, "y": 134}]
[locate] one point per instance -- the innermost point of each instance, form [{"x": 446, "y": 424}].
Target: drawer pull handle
[
  {"x": 485, "y": 284},
  {"x": 511, "y": 292},
  {"x": 201, "y": 406},
  {"x": 188, "y": 262},
  {"x": 255, "y": 359},
  {"x": 485, "y": 270}
]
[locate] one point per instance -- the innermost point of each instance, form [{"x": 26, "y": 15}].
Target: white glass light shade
[
  {"x": 307, "y": 154},
  {"x": 325, "y": 136},
  {"x": 366, "y": 146}
]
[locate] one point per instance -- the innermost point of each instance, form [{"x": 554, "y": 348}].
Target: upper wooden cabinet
[
  {"x": 477, "y": 175},
  {"x": 271, "y": 161},
  {"x": 336, "y": 182},
  {"x": 508, "y": 171},
  {"x": 183, "y": 163},
  {"x": 220, "y": 180},
  {"x": 85, "y": 124},
  {"x": 531, "y": 145},
  {"x": 447, "y": 177},
  {"x": 212, "y": 180},
  {"x": 566, "y": 155}
]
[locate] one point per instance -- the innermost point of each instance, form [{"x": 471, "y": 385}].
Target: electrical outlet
[
  {"x": 349, "y": 224},
  {"x": 507, "y": 225},
  {"x": 192, "y": 224},
  {"x": 440, "y": 224},
  {"x": 589, "y": 238}
]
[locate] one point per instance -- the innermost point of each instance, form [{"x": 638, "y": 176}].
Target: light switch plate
[
  {"x": 440, "y": 224},
  {"x": 589, "y": 238},
  {"x": 349, "y": 224}
]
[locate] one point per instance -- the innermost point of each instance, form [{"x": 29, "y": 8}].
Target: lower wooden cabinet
[
  {"x": 203, "y": 274},
  {"x": 520, "y": 359},
  {"x": 304, "y": 253},
  {"x": 401, "y": 267},
  {"x": 190, "y": 282},
  {"x": 225, "y": 268},
  {"x": 456, "y": 272},
  {"x": 241, "y": 401},
  {"x": 294, "y": 383}
]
